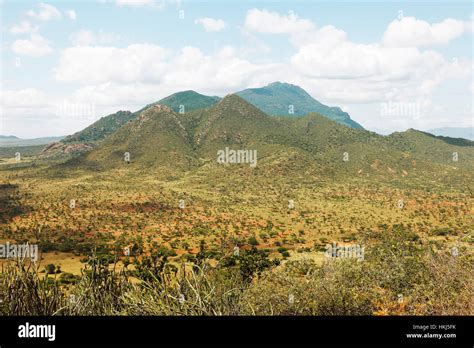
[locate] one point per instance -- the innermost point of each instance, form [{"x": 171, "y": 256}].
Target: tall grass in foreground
[{"x": 399, "y": 276}]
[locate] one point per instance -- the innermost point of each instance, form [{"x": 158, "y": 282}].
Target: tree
[{"x": 50, "y": 269}]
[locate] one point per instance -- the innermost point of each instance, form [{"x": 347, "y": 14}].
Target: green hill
[
  {"x": 101, "y": 128},
  {"x": 277, "y": 98},
  {"x": 163, "y": 141},
  {"x": 107, "y": 125},
  {"x": 273, "y": 99},
  {"x": 186, "y": 101},
  {"x": 454, "y": 132},
  {"x": 156, "y": 138}
]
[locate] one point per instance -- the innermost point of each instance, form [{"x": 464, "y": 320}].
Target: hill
[
  {"x": 277, "y": 98},
  {"x": 287, "y": 147},
  {"x": 186, "y": 101},
  {"x": 13, "y": 141},
  {"x": 273, "y": 99},
  {"x": 88, "y": 138},
  {"x": 156, "y": 138},
  {"x": 454, "y": 132},
  {"x": 101, "y": 128}
]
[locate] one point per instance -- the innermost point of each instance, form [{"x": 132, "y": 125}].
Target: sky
[{"x": 390, "y": 65}]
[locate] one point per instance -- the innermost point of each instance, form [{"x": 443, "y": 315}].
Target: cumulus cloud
[
  {"x": 344, "y": 71},
  {"x": 409, "y": 31},
  {"x": 23, "y": 98},
  {"x": 222, "y": 71},
  {"x": 136, "y": 3},
  {"x": 336, "y": 68},
  {"x": 71, "y": 14},
  {"x": 45, "y": 12},
  {"x": 155, "y": 4},
  {"x": 328, "y": 34},
  {"x": 211, "y": 24},
  {"x": 139, "y": 72},
  {"x": 51, "y": 114},
  {"x": 24, "y": 27},
  {"x": 266, "y": 22},
  {"x": 36, "y": 46},
  {"x": 89, "y": 38},
  {"x": 87, "y": 64},
  {"x": 347, "y": 60},
  {"x": 469, "y": 25}
]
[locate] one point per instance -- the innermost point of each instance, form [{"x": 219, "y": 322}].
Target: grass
[{"x": 399, "y": 276}]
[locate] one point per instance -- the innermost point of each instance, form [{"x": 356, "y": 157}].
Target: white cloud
[
  {"x": 135, "y": 3},
  {"x": 36, "y": 46},
  {"x": 337, "y": 69},
  {"x": 71, "y": 14},
  {"x": 24, "y": 27},
  {"x": 328, "y": 34},
  {"x": 409, "y": 31},
  {"x": 266, "y": 22},
  {"x": 469, "y": 25},
  {"x": 23, "y": 98},
  {"x": 348, "y": 60},
  {"x": 45, "y": 12},
  {"x": 86, "y": 64},
  {"x": 221, "y": 72},
  {"x": 137, "y": 74},
  {"x": 89, "y": 38},
  {"x": 155, "y": 4},
  {"x": 344, "y": 71},
  {"x": 49, "y": 113},
  {"x": 211, "y": 24}
]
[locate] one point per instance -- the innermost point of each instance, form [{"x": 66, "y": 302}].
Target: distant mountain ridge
[
  {"x": 280, "y": 99},
  {"x": 101, "y": 128},
  {"x": 185, "y": 101},
  {"x": 454, "y": 132},
  {"x": 274, "y": 98},
  {"x": 11, "y": 140},
  {"x": 171, "y": 144}
]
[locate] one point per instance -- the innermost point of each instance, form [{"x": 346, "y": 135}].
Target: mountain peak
[
  {"x": 185, "y": 101},
  {"x": 278, "y": 83},
  {"x": 151, "y": 111},
  {"x": 229, "y": 98},
  {"x": 284, "y": 99},
  {"x": 282, "y": 84},
  {"x": 236, "y": 102},
  {"x": 189, "y": 91}
]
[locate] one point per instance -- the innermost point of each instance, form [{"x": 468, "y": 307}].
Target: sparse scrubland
[
  {"x": 171, "y": 232},
  {"x": 399, "y": 276}
]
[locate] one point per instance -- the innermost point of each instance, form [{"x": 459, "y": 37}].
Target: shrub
[
  {"x": 253, "y": 241},
  {"x": 50, "y": 269}
]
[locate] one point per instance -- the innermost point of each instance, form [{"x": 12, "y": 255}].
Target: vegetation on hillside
[{"x": 284, "y": 99}]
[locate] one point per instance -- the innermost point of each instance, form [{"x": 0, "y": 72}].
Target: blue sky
[{"x": 391, "y": 65}]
